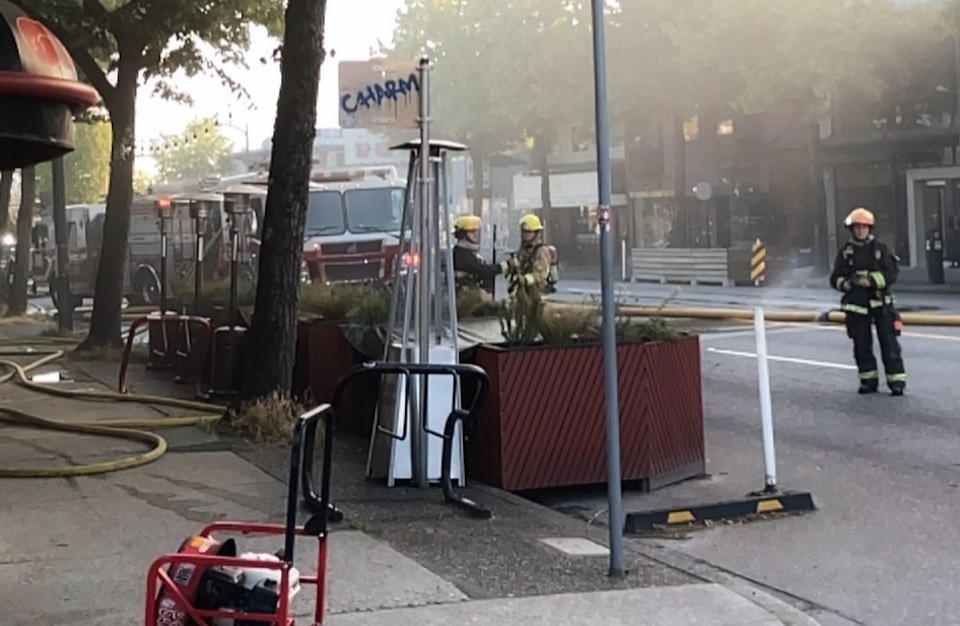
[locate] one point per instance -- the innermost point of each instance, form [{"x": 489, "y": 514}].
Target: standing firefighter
[
  {"x": 864, "y": 271},
  {"x": 469, "y": 268},
  {"x": 534, "y": 263}
]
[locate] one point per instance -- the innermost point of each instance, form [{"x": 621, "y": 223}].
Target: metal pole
[
  {"x": 163, "y": 263},
  {"x": 424, "y": 281},
  {"x": 766, "y": 410},
  {"x": 62, "y": 285},
  {"x": 198, "y": 267},
  {"x": 614, "y": 493},
  {"x": 623, "y": 260},
  {"x": 398, "y": 261}
]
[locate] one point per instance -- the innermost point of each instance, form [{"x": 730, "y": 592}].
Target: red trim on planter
[{"x": 46, "y": 88}]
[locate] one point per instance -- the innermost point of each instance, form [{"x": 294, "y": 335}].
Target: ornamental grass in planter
[{"x": 543, "y": 424}]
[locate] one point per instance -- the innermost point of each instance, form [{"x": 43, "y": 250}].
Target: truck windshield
[
  {"x": 374, "y": 210},
  {"x": 325, "y": 214}
]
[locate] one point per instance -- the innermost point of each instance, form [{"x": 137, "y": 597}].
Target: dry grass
[
  {"x": 268, "y": 420},
  {"x": 106, "y": 354}
]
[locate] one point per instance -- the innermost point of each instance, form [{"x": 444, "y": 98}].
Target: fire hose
[{"x": 133, "y": 430}]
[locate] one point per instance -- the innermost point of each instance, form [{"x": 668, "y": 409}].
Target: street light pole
[{"x": 614, "y": 493}]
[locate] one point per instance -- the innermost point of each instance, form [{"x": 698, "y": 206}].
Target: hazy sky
[{"x": 352, "y": 28}]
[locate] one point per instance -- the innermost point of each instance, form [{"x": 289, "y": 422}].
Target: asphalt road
[
  {"x": 884, "y": 472},
  {"x": 817, "y": 298}
]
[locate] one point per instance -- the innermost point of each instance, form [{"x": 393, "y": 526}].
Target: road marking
[
  {"x": 785, "y": 359},
  {"x": 841, "y": 328}
]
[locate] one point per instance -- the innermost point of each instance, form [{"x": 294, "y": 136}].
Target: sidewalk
[{"x": 75, "y": 551}]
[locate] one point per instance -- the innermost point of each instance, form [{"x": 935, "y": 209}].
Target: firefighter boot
[
  {"x": 867, "y": 386},
  {"x": 896, "y": 389}
]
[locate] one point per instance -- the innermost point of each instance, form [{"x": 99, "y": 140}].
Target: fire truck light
[
  {"x": 9, "y": 240},
  {"x": 316, "y": 247},
  {"x": 411, "y": 259}
]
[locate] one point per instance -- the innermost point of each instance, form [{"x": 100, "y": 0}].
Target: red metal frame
[
  {"x": 135, "y": 328},
  {"x": 46, "y": 88},
  {"x": 158, "y": 578}
]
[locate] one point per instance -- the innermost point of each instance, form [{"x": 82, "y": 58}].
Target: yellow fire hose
[
  {"x": 808, "y": 316},
  {"x": 133, "y": 430}
]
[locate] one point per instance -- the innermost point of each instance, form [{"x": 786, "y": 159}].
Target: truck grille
[
  {"x": 352, "y": 247},
  {"x": 351, "y": 272}
]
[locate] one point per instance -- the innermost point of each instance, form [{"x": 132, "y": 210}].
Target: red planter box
[
  {"x": 323, "y": 356},
  {"x": 544, "y": 422}
]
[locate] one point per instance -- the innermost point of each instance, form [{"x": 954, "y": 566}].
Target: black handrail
[{"x": 466, "y": 415}]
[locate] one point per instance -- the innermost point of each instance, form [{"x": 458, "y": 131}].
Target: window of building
[
  {"x": 691, "y": 129},
  {"x": 581, "y": 138}
]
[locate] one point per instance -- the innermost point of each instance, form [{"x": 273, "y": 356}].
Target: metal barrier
[
  {"x": 465, "y": 415},
  {"x": 301, "y": 456},
  {"x": 136, "y": 328}
]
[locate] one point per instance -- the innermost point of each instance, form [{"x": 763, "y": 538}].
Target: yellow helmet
[
  {"x": 530, "y": 223},
  {"x": 466, "y": 223},
  {"x": 859, "y": 216}
]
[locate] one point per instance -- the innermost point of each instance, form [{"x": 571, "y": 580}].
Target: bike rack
[{"x": 466, "y": 416}]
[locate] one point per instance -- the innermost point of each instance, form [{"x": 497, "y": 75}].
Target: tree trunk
[
  {"x": 476, "y": 157},
  {"x": 108, "y": 291},
  {"x": 6, "y": 182},
  {"x": 271, "y": 342},
  {"x": 17, "y": 298}
]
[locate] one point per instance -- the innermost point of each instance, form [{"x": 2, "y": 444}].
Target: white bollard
[{"x": 766, "y": 410}]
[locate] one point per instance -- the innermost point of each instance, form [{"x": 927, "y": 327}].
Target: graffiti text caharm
[{"x": 373, "y": 96}]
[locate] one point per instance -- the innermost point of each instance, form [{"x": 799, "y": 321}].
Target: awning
[{"x": 39, "y": 92}]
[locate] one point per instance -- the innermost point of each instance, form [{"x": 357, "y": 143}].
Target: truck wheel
[{"x": 146, "y": 288}]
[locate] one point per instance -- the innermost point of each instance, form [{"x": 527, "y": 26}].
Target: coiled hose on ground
[{"x": 50, "y": 349}]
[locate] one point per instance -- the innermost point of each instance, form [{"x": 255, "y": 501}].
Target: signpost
[{"x": 614, "y": 493}]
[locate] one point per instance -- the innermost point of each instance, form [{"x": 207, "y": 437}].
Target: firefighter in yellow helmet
[
  {"x": 533, "y": 262},
  {"x": 864, "y": 271},
  {"x": 469, "y": 267}
]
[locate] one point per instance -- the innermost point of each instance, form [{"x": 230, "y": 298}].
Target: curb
[
  {"x": 788, "y": 614},
  {"x": 783, "y": 611}
]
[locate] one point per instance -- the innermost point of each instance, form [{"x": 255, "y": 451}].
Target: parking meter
[{"x": 934, "y": 245}]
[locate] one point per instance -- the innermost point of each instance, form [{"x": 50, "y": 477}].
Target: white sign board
[{"x": 379, "y": 94}]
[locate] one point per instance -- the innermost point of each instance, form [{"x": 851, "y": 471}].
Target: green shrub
[
  {"x": 525, "y": 321},
  {"x": 333, "y": 303},
  {"x": 572, "y": 327},
  {"x": 473, "y": 303},
  {"x": 372, "y": 307},
  {"x": 522, "y": 318}
]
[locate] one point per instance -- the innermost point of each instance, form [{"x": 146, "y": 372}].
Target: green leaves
[
  {"x": 156, "y": 37},
  {"x": 87, "y": 168},
  {"x": 198, "y": 154}
]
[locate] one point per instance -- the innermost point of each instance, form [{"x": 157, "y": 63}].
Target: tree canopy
[
  {"x": 200, "y": 152},
  {"x": 118, "y": 44},
  {"x": 87, "y": 168}
]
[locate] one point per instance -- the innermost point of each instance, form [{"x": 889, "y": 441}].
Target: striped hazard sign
[{"x": 758, "y": 263}]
